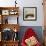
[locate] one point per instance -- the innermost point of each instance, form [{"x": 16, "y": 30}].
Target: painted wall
[
  {"x": 33, "y": 3},
  {"x": 26, "y": 3}
]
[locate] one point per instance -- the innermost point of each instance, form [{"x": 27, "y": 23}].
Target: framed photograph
[
  {"x": 13, "y": 12},
  {"x": 5, "y": 12},
  {"x": 30, "y": 13}
]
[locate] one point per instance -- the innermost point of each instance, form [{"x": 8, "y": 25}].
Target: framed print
[
  {"x": 29, "y": 13},
  {"x": 5, "y": 12},
  {"x": 13, "y": 12}
]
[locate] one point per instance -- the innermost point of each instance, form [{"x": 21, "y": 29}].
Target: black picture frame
[{"x": 29, "y": 13}]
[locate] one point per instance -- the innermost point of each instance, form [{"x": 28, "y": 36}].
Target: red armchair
[{"x": 30, "y": 38}]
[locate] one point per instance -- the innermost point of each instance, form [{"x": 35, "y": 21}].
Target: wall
[
  {"x": 33, "y": 3},
  {"x": 26, "y": 3}
]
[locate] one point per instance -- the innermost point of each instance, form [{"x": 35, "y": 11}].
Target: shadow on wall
[{"x": 37, "y": 29}]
